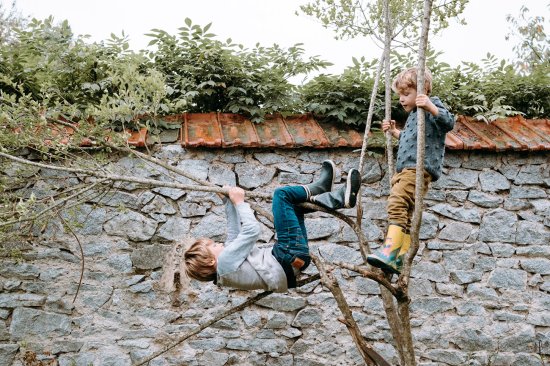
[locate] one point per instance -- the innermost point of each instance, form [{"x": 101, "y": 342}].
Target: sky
[{"x": 267, "y": 22}]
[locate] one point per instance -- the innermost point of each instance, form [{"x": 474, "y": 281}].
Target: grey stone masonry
[{"x": 480, "y": 283}]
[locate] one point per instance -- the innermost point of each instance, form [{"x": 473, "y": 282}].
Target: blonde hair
[
  {"x": 407, "y": 79},
  {"x": 198, "y": 259},
  {"x": 189, "y": 258}
]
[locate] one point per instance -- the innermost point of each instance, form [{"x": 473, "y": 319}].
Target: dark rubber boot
[
  {"x": 324, "y": 183},
  {"x": 345, "y": 197}
]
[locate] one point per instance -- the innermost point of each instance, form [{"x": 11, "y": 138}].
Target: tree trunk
[
  {"x": 387, "y": 115},
  {"x": 403, "y": 303}
]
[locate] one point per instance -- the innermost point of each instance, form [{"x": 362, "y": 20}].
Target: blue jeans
[{"x": 291, "y": 249}]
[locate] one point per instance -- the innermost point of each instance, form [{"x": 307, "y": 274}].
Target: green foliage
[
  {"x": 533, "y": 48},
  {"x": 352, "y": 18},
  {"x": 224, "y": 76},
  {"x": 488, "y": 91},
  {"x": 47, "y": 74},
  {"x": 342, "y": 98}
]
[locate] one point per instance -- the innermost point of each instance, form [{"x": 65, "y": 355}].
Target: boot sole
[
  {"x": 379, "y": 263},
  {"x": 333, "y": 173},
  {"x": 353, "y": 183}
]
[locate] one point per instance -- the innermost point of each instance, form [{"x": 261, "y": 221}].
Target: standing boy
[{"x": 400, "y": 208}]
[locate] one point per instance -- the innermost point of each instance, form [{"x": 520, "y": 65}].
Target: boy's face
[
  {"x": 407, "y": 98},
  {"x": 215, "y": 249}
]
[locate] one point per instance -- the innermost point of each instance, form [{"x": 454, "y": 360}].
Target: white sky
[{"x": 268, "y": 22}]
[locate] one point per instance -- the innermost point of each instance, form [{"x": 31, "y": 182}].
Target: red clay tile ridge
[
  {"x": 303, "y": 131},
  {"x": 227, "y": 130}
]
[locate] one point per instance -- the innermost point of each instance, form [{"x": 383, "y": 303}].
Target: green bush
[
  {"x": 226, "y": 77},
  {"x": 48, "y": 72}
]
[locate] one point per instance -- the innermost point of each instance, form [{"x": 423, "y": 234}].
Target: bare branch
[
  {"x": 124, "y": 178},
  {"x": 251, "y": 300},
  {"x": 81, "y": 254},
  {"x": 375, "y": 276},
  {"x": 370, "y": 356}
]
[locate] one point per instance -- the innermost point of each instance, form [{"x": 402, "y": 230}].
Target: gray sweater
[
  {"x": 243, "y": 265},
  {"x": 436, "y": 129}
]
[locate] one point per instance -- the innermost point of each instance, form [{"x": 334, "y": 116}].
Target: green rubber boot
[{"x": 386, "y": 258}]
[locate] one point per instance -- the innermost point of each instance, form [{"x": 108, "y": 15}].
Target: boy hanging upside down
[{"x": 239, "y": 263}]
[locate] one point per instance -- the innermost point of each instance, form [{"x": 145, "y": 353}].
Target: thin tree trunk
[
  {"x": 387, "y": 115},
  {"x": 421, "y": 145},
  {"x": 403, "y": 304},
  {"x": 363, "y": 245},
  {"x": 370, "y": 356},
  {"x": 392, "y": 316}
]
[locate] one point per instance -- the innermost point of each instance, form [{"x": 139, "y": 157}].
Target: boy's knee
[{"x": 279, "y": 192}]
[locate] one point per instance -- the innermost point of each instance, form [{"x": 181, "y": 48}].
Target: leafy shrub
[
  {"x": 47, "y": 72},
  {"x": 226, "y": 77}
]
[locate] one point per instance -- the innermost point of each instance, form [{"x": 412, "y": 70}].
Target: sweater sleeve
[
  {"x": 236, "y": 251},
  {"x": 444, "y": 119},
  {"x": 233, "y": 220}
]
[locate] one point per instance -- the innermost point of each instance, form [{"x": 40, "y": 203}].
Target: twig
[
  {"x": 81, "y": 254},
  {"x": 365, "y": 272},
  {"x": 370, "y": 356},
  {"x": 250, "y": 301}
]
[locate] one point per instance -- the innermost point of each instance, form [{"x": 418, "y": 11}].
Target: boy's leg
[
  {"x": 325, "y": 181},
  {"x": 400, "y": 203},
  {"x": 400, "y": 208},
  {"x": 401, "y": 199},
  {"x": 345, "y": 197},
  {"x": 289, "y": 225}
]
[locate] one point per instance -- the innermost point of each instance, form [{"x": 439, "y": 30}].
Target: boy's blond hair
[
  {"x": 189, "y": 258},
  {"x": 198, "y": 259},
  {"x": 407, "y": 79}
]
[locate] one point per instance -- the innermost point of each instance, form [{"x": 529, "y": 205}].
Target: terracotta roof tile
[
  {"x": 306, "y": 132},
  {"x": 497, "y": 138},
  {"x": 341, "y": 137},
  {"x": 231, "y": 130},
  {"x": 201, "y": 129},
  {"x": 237, "y": 131},
  {"x": 469, "y": 137},
  {"x": 273, "y": 132},
  {"x": 525, "y": 132}
]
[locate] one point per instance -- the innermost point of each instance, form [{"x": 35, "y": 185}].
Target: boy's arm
[
  {"x": 236, "y": 250},
  {"x": 442, "y": 116},
  {"x": 233, "y": 220}
]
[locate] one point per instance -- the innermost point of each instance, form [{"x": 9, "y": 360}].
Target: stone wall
[{"x": 479, "y": 285}]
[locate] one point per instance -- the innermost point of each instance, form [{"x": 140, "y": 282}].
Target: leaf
[{"x": 188, "y": 22}]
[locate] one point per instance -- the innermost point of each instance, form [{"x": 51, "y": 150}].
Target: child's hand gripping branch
[
  {"x": 424, "y": 102},
  {"x": 236, "y": 194}
]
